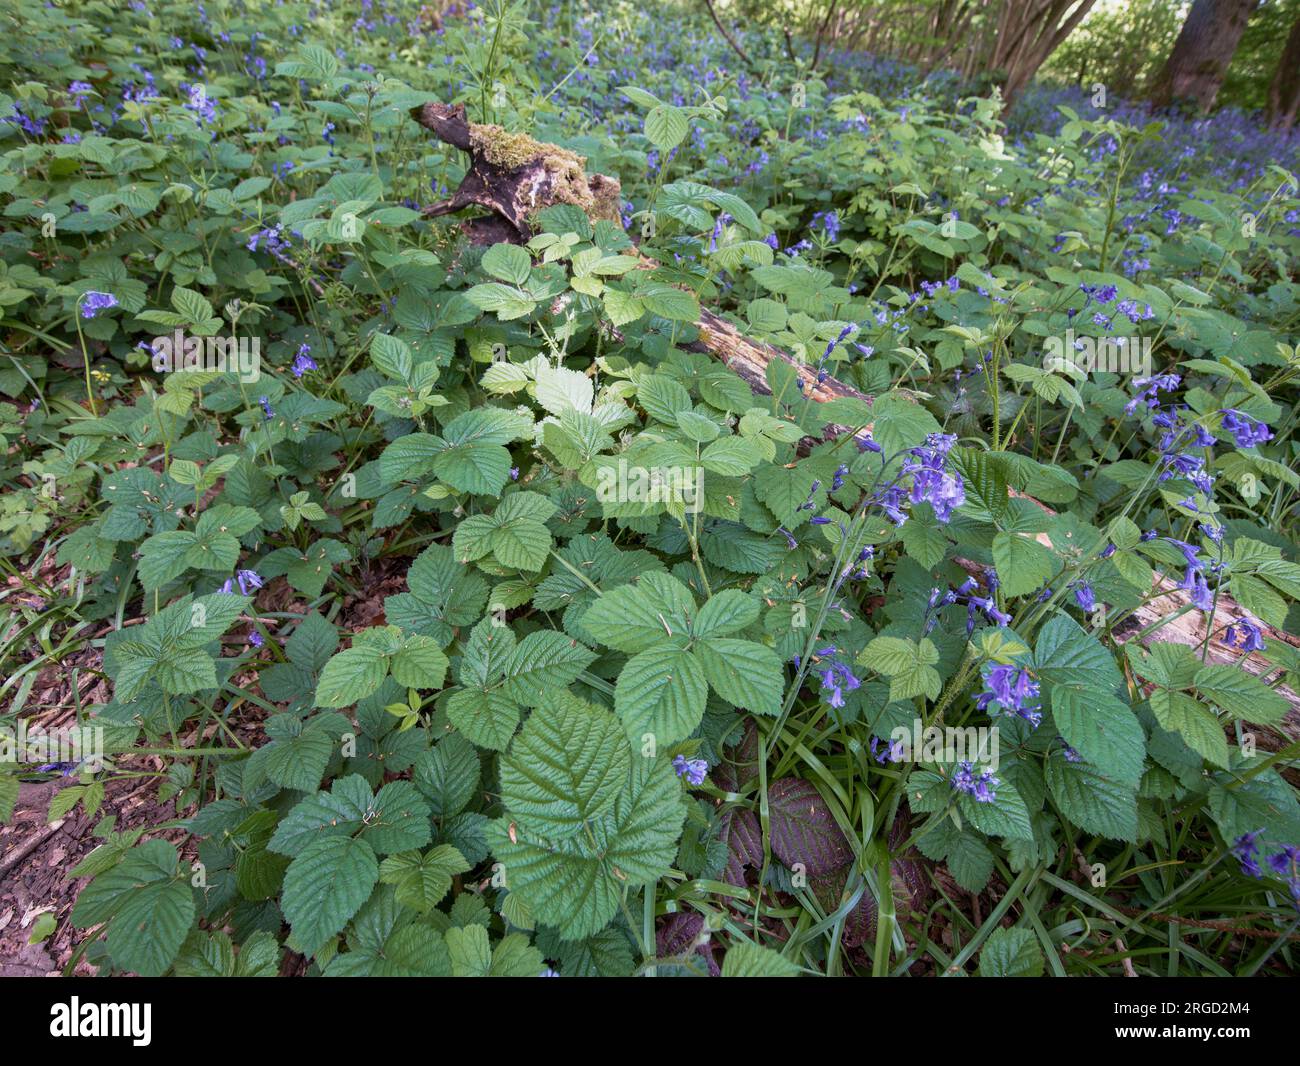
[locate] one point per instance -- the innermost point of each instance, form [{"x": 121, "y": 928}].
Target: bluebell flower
[
  {"x": 303, "y": 362},
  {"x": 1247, "y": 432},
  {"x": 1245, "y": 635},
  {"x": 94, "y": 302},
  {"x": 980, "y": 785},
  {"x": 1012, "y": 690},
  {"x": 694, "y": 770},
  {"x": 248, "y": 579},
  {"x": 1246, "y": 848}
]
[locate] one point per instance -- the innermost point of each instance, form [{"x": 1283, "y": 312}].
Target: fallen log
[{"x": 513, "y": 177}]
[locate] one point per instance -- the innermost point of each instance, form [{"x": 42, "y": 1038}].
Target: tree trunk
[
  {"x": 1284, "y": 93},
  {"x": 1195, "y": 68},
  {"x": 1028, "y": 32}
]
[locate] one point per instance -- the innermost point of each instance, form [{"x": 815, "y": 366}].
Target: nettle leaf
[
  {"x": 574, "y": 882},
  {"x": 803, "y": 829}
]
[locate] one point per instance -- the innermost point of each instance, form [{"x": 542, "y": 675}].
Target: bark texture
[
  {"x": 1284, "y": 92},
  {"x": 1195, "y": 68}
]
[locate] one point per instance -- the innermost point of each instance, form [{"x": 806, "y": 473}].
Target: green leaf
[
  {"x": 575, "y": 883},
  {"x": 632, "y": 618},
  {"x": 148, "y": 905},
  {"x": 1195, "y": 723},
  {"x": 350, "y": 676},
  {"x": 423, "y": 880},
  {"x": 508, "y": 262},
  {"x": 489, "y": 719},
  {"x": 909, "y": 666},
  {"x": 669, "y": 302},
  {"x": 471, "y": 954},
  {"x": 398, "y": 820},
  {"x": 1092, "y": 801},
  {"x": 1102, "y": 729},
  {"x": 1066, "y": 654},
  {"x": 661, "y": 691},
  {"x": 325, "y": 886},
  {"x": 447, "y": 775},
  {"x": 567, "y": 767},
  {"x": 726, "y": 612},
  {"x": 1011, "y": 953},
  {"x": 743, "y": 672},
  {"x": 507, "y": 301},
  {"x": 420, "y": 664},
  {"x": 666, "y": 126},
  {"x": 543, "y": 662},
  {"x": 730, "y": 456},
  {"x": 1023, "y": 565},
  {"x": 1007, "y": 816},
  {"x": 297, "y": 757},
  {"x": 749, "y": 960},
  {"x": 1241, "y": 695}
]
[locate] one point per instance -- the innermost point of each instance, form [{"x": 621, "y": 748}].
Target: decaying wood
[{"x": 513, "y": 177}]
